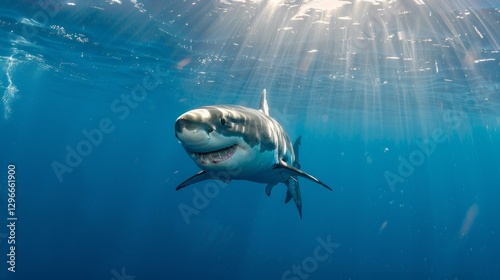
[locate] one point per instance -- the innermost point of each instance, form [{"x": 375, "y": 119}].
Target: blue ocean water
[{"x": 397, "y": 103}]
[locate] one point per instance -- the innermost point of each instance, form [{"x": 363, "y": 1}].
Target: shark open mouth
[{"x": 215, "y": 156}]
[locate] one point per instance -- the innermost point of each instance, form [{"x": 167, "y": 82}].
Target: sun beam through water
[{"x": 314, "y": 54}]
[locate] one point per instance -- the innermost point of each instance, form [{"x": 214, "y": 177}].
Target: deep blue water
[{"x": 398, "y": 105}]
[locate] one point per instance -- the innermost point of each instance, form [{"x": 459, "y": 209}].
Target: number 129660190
[{"x": 11, "y": 183}]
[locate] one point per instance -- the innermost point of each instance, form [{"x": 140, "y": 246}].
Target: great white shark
[{"x": 231, "y": 142}]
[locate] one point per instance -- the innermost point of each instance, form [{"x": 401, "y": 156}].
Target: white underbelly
[{"x": 259, "y": 168}]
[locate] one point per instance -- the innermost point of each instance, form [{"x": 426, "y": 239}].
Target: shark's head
[{"x": 216, "y": 137}]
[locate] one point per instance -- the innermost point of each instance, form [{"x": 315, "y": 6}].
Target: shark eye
[{"x": 223, "y": 121}]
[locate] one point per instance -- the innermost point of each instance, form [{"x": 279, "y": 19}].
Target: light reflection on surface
[{"x": 371, "y": 66}]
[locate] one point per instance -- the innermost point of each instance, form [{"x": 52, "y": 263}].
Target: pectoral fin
[
  {"x": 198, "y": 177},
  {"x": 292, "y": 171}
]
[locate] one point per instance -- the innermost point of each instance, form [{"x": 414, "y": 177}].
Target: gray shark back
[{"x": 254, "y": 126}]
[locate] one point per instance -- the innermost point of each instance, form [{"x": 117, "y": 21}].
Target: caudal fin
[
  {"x": 294, "y": 191},
  {"x": 293, "y": 184}
]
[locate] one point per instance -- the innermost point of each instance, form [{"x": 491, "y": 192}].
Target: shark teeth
[{"x": 215, "y": 157}]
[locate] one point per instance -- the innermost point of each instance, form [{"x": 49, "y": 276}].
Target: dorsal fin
[{"x": 264, "y": 108}]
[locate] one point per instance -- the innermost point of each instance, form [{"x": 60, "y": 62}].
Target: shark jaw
[
  {"x": 207, "y": 148},
  {"x": 215, "y": 157}
]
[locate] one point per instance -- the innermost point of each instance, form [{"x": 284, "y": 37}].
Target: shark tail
[
  {"x": 294, "y": 192},
  {"x": 293, "y": 171}
]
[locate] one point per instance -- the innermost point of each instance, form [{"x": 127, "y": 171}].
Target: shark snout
[
  {"x": 194, "y": 135},
  {"x": 183, "y": 124}
]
